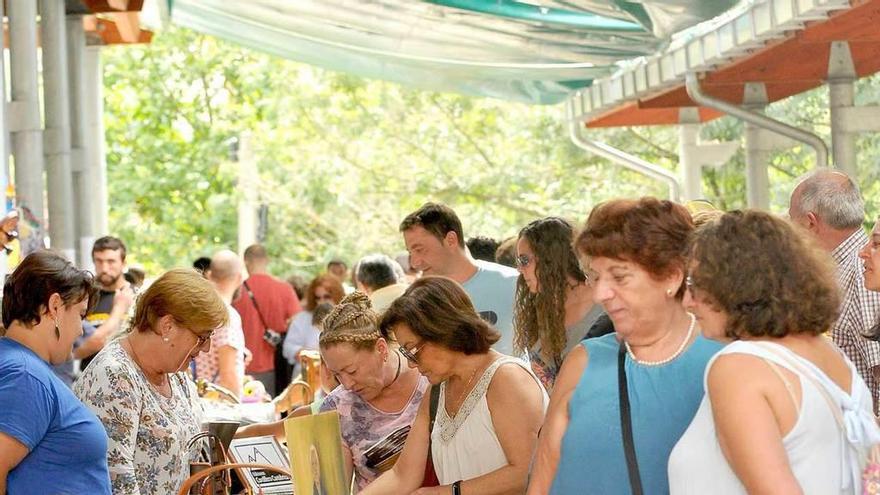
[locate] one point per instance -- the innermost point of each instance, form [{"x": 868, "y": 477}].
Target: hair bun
[{"x": 358, "y": 299}]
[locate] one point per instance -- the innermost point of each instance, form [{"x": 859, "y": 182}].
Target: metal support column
[
  {"x": 97, "y": 160},
  {"x": 4, "y": 152},
  {"x": 841, "y": 95},
  {"x": 57, "y": 134},
  {"x": 83, "y": 184},
  {"x": 757, "y": 156},
  {"x": 24, "y": 109}
]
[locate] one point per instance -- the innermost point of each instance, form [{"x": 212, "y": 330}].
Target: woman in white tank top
[
  {"x": 489, "y": 408},
  {"x": 784, "y": 412}
]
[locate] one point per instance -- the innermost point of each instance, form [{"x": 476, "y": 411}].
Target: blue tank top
[{"x": 663, "y": 401}]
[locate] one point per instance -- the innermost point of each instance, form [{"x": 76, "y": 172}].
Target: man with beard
[{"x": 116, "y": 296}]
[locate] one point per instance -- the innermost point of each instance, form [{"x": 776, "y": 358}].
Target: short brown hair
[
  {"x": 353, "y": 322},
  {"x": 109, "y": 243},
  {"x": 437, "y": 218},
  {"x": 255, "y": 252},
  {"x": 648, "y": 231},
  {"x": 765, "y": 274},
  {"x": 333, "y": 285},
  {"x": 42, "y": 273},
  {"x": 438, "y": 310},
  {"x": 185, "y": 295}
]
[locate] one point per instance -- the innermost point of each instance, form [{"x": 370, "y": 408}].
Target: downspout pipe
[
  {"x": 620, "y": 157},
  {"x": 692, "y": 84}
]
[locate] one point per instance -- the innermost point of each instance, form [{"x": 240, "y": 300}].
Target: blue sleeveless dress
[{"x": 663, "y": 401}]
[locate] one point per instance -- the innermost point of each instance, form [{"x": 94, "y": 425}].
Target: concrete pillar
[
  {"x": 4, "y": 153},
  {"x": 841, "y": 96},
  {"x": 83, "y": 184},
  {"x": 691, "y": 168},
  {"x": 24, "y": 109},
  {"x": 97, "y": 158},
  {"x": 757, "y": 155},
  {"x": 56, "y": 138}
]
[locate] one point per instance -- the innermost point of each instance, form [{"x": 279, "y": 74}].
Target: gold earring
[{"x": 57, "y": 330}]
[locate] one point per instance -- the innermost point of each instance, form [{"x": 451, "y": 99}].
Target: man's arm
[
  {"x": 121, "y": 303},
  {"x": 227, "y": 374}
]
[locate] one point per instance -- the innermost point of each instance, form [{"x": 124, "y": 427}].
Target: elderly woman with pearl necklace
[{"x": 621, "y": 401}]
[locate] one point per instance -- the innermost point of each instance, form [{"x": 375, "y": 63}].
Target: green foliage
[{"x": 342, "y": 160}]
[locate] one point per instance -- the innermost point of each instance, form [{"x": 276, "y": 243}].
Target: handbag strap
[
  {"x": 629, "y": 449},
  {"x": 256, "y": 306}
]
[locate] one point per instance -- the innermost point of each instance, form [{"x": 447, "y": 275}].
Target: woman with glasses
[
  {"x": 554, "y": 305},
  {"x": 138, "y": 386},
  {"x": 302, "y": 334},
  {"x": 380, "y": 394},
  {"x": 489, "y": 407},
  {"x": 621, "y": 401},
  {"x": 785, "y": 411}
]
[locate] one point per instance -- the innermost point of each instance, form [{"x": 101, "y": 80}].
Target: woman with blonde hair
[{"x": 138, "y": 388}]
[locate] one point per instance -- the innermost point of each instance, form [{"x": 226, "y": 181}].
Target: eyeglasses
[
  {"x": 689, "y": 283},
  {"x": 410, "y": 354},
  {"x": 523, "y": 260},
  {"x": 202, "y": 338}
]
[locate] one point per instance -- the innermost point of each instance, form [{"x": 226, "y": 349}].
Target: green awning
[{"x": 532, "y": 51}]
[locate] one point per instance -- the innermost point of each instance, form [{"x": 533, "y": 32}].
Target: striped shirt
[{"x": 859, "y": 311}]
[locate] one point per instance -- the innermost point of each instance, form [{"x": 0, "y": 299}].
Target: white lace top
[{"x": 466, "y": 447}]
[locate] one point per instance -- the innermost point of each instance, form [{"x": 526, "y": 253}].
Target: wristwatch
[{"x": 456, "y": 488}]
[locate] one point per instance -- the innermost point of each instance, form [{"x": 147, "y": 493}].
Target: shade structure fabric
[{"x": 535, "y": 51}]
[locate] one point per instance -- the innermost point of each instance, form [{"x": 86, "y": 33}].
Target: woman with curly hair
[
  {"x": 554, "y": 304},
  {"x": 784, "y": 411}
]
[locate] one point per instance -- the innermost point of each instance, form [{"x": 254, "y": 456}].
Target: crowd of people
[{"x": 651, "y": 349}]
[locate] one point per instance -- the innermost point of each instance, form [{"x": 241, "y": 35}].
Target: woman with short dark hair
[
  {"x": 489, "y": 407},
  {"x": 636, "y": 251},
  {"x": 49, "y": 441},
  {"x": 785, "y": 411}
]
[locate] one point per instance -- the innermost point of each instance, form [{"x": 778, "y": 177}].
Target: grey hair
[
  {"x": 836, "y": 201},
  {"x": 378, "y": 270}
]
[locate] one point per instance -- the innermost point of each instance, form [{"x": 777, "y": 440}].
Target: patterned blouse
[
  {"x": 363, "y": 425},
  {"x": 147, "y": 432}
]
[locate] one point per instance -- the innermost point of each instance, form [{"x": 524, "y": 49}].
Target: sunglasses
[
  {"x": 523, "y": 260},
  {"x": 410, "y": 354}
]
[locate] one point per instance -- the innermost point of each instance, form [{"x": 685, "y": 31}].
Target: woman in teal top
[{"x": 636, "y": 251}]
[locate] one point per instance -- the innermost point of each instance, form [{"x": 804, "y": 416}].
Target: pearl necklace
[{"x": 674, "y": 355}]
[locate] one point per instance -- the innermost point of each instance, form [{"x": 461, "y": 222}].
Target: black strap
[
  {"x": 629, "y": 448},
  {"x": 256, "y": 306}
]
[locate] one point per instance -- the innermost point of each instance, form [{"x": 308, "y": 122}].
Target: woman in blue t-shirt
[{"x": 49, "y": 441}]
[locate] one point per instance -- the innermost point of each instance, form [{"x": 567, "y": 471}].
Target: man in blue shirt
[{"x": 435, "y": 241}]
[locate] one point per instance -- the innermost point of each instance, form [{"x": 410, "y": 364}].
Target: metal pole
[
  {"x": 97, "y": 160},
  {"x": 691, "y": 169},
  {"x": 4, "y": 154},
  {"x": 248, "y": 182},
  {"x": 841, "y": 95},
  {"x": 692, "y": 84},
  {"x": 27, "y": 138},
  {"x": 757, "y": 153},
  {"x": 620, "y": 157},
  {"x": 57, "y": 134},
  {"x": 83, "y": 184}
]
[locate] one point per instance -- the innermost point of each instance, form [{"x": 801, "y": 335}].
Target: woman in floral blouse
[{"x": 137, "y": 388}]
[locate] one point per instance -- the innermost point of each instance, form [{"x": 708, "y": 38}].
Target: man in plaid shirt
[{"x": 829, "y": 205}]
